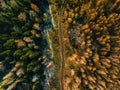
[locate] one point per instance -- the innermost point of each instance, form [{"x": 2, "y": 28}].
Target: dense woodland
[
  {"x": 21, "y": 24},
  {"x": 91, "y": 39},
  {"x": 92, "y": 33}
]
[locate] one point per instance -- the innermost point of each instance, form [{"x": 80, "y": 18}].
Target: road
[{"x": 60, "y": 35}]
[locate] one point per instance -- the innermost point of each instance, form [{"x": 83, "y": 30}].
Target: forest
[{"x": 59, "y": 44}]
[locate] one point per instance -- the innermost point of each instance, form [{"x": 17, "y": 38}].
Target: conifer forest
[{"x": 59, "y": 44}]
